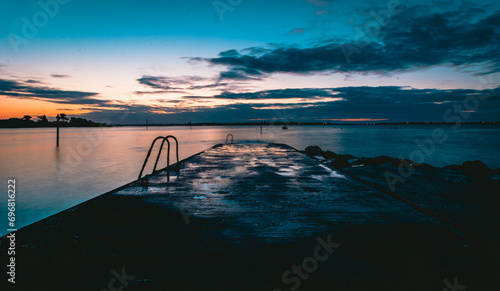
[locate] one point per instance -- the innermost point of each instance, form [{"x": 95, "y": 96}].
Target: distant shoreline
[
  {"x": 302, "y": 123},
  {"x": 52, "y": 125},
  {"x": 44, "y": 123}
]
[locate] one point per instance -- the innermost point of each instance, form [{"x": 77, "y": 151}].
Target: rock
[
  {"x": 424, "y": 165},
  {"x": 365, "y": 161},
  {"x": 404, "y": 163},
  {"x": 383, "y": 160},
  {"x": 313, "y": 151},
  {"x": 340, "y": 162},
  {"x": 497, "y": 171},
  {"x": 453, "y": 167},
  {"x": 380, "y": 160},
  {"x": 398, "y": 162},
  {"x": 348, "y": 156},
  {"x": 329, "y": 155},
  {"x": 476, "y": 169}
]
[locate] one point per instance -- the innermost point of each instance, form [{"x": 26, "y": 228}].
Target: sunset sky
[{"x": 125, "y": 62}]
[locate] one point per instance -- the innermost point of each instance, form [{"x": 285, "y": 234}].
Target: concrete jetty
[{"x": 246, "y": 217}]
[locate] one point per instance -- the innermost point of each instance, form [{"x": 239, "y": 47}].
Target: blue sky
[{"x": 240, "y": 60}]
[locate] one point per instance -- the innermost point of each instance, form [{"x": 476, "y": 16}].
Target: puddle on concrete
[
  {"x": 333, "y": 174},
  {"x": 287, "y": 172}
]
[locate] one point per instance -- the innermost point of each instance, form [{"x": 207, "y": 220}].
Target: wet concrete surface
[{"x": 246, "y": 217}]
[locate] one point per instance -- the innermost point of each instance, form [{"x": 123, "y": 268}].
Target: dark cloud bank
[
  {"x": 34, "y": 90},
  {"x": 392, "y": 103},
  {"x": 414, "y": 39}
]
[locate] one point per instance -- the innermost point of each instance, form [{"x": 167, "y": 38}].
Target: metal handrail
[
  {"x": 227, "y": 139},
  {"x": 168, "y": 153},
  {"x": 159, "y": 154},
  {"x": 149, "y": 154}
]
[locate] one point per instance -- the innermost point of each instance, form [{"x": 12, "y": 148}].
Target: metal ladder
[
  {"x": 227, "y": 139},
  {"x": 164, "y": 139}
]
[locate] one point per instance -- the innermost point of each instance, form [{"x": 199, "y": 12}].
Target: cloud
[
  {"x": 216, "y": 85},
  {"x": 175, "y": 101},
  {"x": 239, "y": 74},
  {"x": 414, "y": 39},
  {"x": 157, "y": 82},
  {"x": 159, "y": 92},
  {"x": 173, "y": 84},
  {"x": 390, "y": 94},
  {"x": 275, "y": 94},
  {"x": 26, "y": 90},
  {"x": 59, "y": 76}
]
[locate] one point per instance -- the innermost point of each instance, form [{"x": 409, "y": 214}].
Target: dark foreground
[{"x": 248, "y": 217}]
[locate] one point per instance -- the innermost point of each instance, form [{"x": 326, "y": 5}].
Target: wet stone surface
[{"x": 239, "y": 217}]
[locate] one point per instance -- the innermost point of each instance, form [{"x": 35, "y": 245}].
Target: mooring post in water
[
  {"x": 146, "y": 124},
  {"x": 261, "y": 128},
  {"x": 61, "y": 116},
  {"x": 57, "y": 123}
]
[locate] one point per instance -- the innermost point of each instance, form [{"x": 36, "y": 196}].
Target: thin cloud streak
[{"x": 62, "y": 76}]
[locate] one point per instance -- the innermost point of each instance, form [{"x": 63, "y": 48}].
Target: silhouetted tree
[
  {"x": 42, "y": 119},
  {"x": 62, "y": 117}
]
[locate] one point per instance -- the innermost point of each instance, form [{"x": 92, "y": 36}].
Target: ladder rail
[
  {"x": 164, "y": 139},
  {"x": 159, "y": 153},
  {"x": 176, "y": 151},
  {"x": 148, "y": 155}
]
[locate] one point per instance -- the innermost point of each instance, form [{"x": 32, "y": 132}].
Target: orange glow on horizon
[{"x": 17, "y": 108}]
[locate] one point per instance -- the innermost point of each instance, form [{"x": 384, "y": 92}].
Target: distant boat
[{"x": 284, "y": 127}]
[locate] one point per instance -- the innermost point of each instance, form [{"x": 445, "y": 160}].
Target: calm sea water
[{"x": 91, "y": 161}]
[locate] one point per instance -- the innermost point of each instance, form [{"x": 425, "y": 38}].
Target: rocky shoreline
[{"x": 339, "y": 161}]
